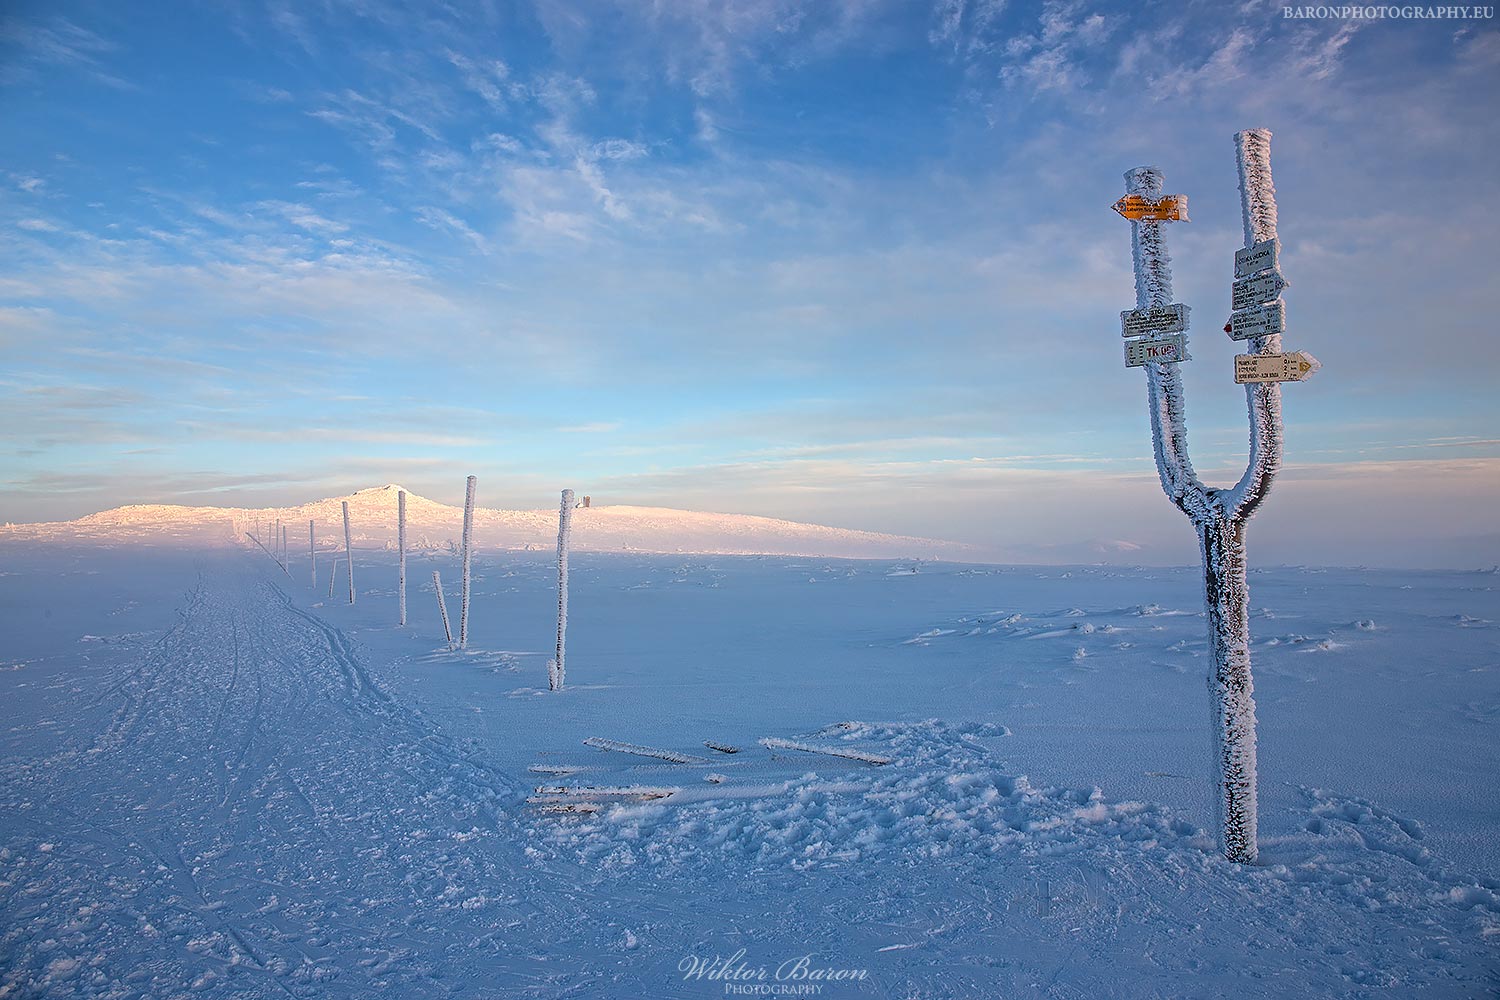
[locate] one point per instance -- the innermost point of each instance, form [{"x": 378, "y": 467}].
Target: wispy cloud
[
  {"x": 352, "y": 435},
  {"x": 58, "y": 42},
  {"x": 490, "y": 79},
  {"x": 442, "y": 219}
]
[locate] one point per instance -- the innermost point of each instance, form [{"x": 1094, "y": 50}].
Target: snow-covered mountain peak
[{"x": 431, "y": 524}]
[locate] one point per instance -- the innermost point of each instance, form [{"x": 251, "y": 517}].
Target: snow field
[{"x": 212, "y": 786}]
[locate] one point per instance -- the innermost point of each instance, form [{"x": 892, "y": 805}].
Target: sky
[{"x": 847, "y": 261}]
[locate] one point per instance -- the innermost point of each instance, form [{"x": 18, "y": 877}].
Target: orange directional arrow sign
[
  {"x": 1167, "y": 208},
  {"x": 1294, "y": 367}
]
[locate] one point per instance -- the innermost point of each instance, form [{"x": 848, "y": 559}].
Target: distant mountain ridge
[{"x": 429, "y": 524}]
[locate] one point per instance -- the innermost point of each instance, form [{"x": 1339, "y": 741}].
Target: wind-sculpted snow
[
  {"x": 942, "y": 796},
  {"x": 1080, "y": 869}
]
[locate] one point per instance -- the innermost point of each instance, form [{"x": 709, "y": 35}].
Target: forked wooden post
[{"x": 1218, "y": 515}]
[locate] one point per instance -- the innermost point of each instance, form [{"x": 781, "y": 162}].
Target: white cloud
[
  {"x": 290, "y": 23},
  {"x": 438, "y": 218},
  {"x": 59, "y": 42},
  {"x": 1321, "y": 60},
  {"x": 618, "y": 149},
  {"x": 1227, "y": 63},
  {"x": 489, "y": 79},
  {"x": 303, "y": 218}
]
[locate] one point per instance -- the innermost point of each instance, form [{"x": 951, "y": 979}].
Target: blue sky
[{"x": 848, "y": 261}]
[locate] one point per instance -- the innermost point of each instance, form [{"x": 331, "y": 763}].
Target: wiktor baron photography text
[{"x": 795, "y": 976}]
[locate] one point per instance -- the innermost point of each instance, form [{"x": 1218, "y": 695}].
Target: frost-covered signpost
[
  {"x": 556, "y": 668},
  {"x": 1219, "y": 515}
]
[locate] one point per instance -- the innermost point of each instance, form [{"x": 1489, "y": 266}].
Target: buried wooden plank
[
  {"x": 640, "y": 751},
  {"x": 776, "y": 743}
]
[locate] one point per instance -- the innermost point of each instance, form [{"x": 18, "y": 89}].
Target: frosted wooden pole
[
  {"x": 312, "y": 557},
  {"x": 564, "y": 541},
  {"x": 285, "y": 562},
  {"x": 463, "y": 607},
  {"x": 349, "y": 551},
  {"x": 437, "y": 585},
  {"x": 267, "y": 552},
  {"x": 1218, "y": 515},
  {"x": 401, "y": 553},
  {"x": 333, "y": 574}
]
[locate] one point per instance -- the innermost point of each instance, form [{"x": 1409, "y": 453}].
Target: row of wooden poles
[{"x": 555, "y": 667}]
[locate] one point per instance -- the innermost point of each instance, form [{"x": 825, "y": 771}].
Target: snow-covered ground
[{"x": 217, "y": 781}]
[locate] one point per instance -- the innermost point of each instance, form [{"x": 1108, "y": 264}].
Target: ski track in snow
[{"x": 257, "y": 816}]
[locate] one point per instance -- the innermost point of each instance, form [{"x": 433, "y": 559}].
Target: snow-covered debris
[
  {"x": 670, "y": 755},
  {"x": 777, "y": 743}
]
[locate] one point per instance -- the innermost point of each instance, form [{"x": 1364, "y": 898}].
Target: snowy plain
[{"x": 217, "y": 781}]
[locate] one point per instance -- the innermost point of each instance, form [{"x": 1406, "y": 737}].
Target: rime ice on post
[
  {"x": 558, "y": 666},
  {"x": 349, "y": 551},
  {"x": 266, "y": 551},
  {"x": 1219, "y": 515},
  {"x": 401, "y": 554},
  {"x": 437, "y": 585},
  {"x": 463, "y": 608},
  {"x": 312, "y": 556}
]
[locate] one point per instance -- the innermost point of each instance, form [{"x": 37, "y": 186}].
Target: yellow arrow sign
[
  {"x": 1167, "y": 208},
  {"x": 1297, "y": 366}
]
